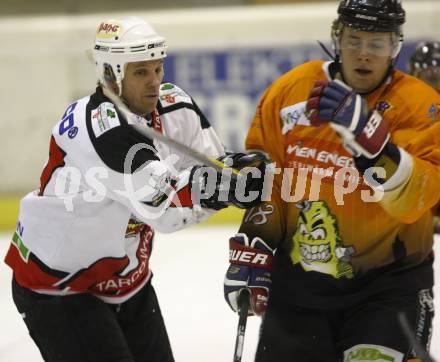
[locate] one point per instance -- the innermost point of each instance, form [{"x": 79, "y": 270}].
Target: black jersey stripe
[
  {"x": 173, "y": 107},
  {"x": 113, "y": 146},
  {"x": 44, "y": 268}
]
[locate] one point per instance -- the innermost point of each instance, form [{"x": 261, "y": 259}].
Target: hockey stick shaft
[
  {"x": 410, "y": 335},
  {"x": 243, "y": 307},
  {"x": 152, "y": 134}
]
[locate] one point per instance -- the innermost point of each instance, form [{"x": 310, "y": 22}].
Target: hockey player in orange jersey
[
  {"x": 345, "y": 243},
  {"x": 424, "y": 63}
]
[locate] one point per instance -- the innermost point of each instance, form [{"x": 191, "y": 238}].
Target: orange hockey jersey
[{"x": 330, "y": 225}]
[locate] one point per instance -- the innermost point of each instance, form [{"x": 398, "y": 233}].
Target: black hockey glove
[{"x": 216, "y": 190}]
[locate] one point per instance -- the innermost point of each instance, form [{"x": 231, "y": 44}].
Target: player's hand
[
  {"x": 224, "y": 189},
  {"x": 246, "y": 190},
  {"x": 250, "y": 268},
  {"x": 363, "y": 131}
]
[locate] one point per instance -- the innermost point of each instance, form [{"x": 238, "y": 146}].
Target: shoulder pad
[{"x": 170, "y": 94}]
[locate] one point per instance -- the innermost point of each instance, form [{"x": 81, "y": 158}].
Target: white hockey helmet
[{"x": 119, "y": 42}]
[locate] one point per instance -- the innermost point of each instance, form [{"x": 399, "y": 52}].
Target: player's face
[
  {"x": 140, "y": 86},
  {"x": 430, "y": 75},
  {"x": 365, "y": 57}
]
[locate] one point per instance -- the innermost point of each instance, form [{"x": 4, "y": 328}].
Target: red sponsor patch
[
  {"x": 170, "y": 99},
  {"x": 108, "y": 28}
]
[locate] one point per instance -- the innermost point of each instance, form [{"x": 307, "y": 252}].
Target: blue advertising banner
[{"x": 227, "y": 84}]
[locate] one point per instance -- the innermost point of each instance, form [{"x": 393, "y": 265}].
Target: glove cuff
[
  {"x": 388, "y": 159},
  {"x": 373, "y": 137},
  {"x": 182, "y": 186}
]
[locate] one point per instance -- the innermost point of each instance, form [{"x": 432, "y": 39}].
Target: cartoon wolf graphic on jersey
[{"x": 316, "y": 242}]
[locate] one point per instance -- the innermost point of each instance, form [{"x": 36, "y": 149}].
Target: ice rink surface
[{"x": 188, "y": 268}]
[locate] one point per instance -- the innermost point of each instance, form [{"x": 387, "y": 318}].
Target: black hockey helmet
[
  {"x": 426, "y": 54},
  {"x": 372, "y": 15}
]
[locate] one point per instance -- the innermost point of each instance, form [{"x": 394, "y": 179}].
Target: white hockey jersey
[{"x": 103, "y": 191}]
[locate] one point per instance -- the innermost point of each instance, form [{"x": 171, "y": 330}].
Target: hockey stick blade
[
  {"x": 243, "y": 305},
  {"x": 418, "y": 348},
  {"x": 152, "y": 134}
]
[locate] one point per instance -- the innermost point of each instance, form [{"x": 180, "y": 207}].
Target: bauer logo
[{"x": 108, "y": 30}]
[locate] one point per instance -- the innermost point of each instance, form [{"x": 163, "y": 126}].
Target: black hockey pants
[{"x": 82, "y": 328}]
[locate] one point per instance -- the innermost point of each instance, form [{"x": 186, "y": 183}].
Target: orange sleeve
[
  {"x": 422, "y": 191},
  {"x": 414, "y": 131}
]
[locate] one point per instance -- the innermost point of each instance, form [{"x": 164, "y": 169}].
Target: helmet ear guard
[
  {"x": 398, "y": 47},
  {"x": 109, "y": 75},
  {"x": 119, "y": 42}
]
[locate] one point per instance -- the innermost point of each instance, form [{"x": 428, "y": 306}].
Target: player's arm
[
  {"x": 406, "y": 176},
  {"x": 421, "y": 190},
  {"x": 158, "y": 195},
  {"x": 246, "y": 190},
  {"x": 150, "y": 187}
]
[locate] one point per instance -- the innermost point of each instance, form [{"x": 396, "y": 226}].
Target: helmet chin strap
[{"x": 334, "y": 57}]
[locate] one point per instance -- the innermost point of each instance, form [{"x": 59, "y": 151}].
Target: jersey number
[{"x": 67, "y": 120}]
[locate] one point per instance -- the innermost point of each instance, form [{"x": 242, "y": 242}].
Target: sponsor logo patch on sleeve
[
  {"x": 171, "y": 94},
  {"x": 104, "y": 118},
  {"x": 383, "y": 107},
  {"x": 294, "y": 115},
  {"x": 434, "y": 112}
]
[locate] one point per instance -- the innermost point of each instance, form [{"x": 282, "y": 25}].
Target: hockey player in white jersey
[{"x": 80, "y": 254}]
